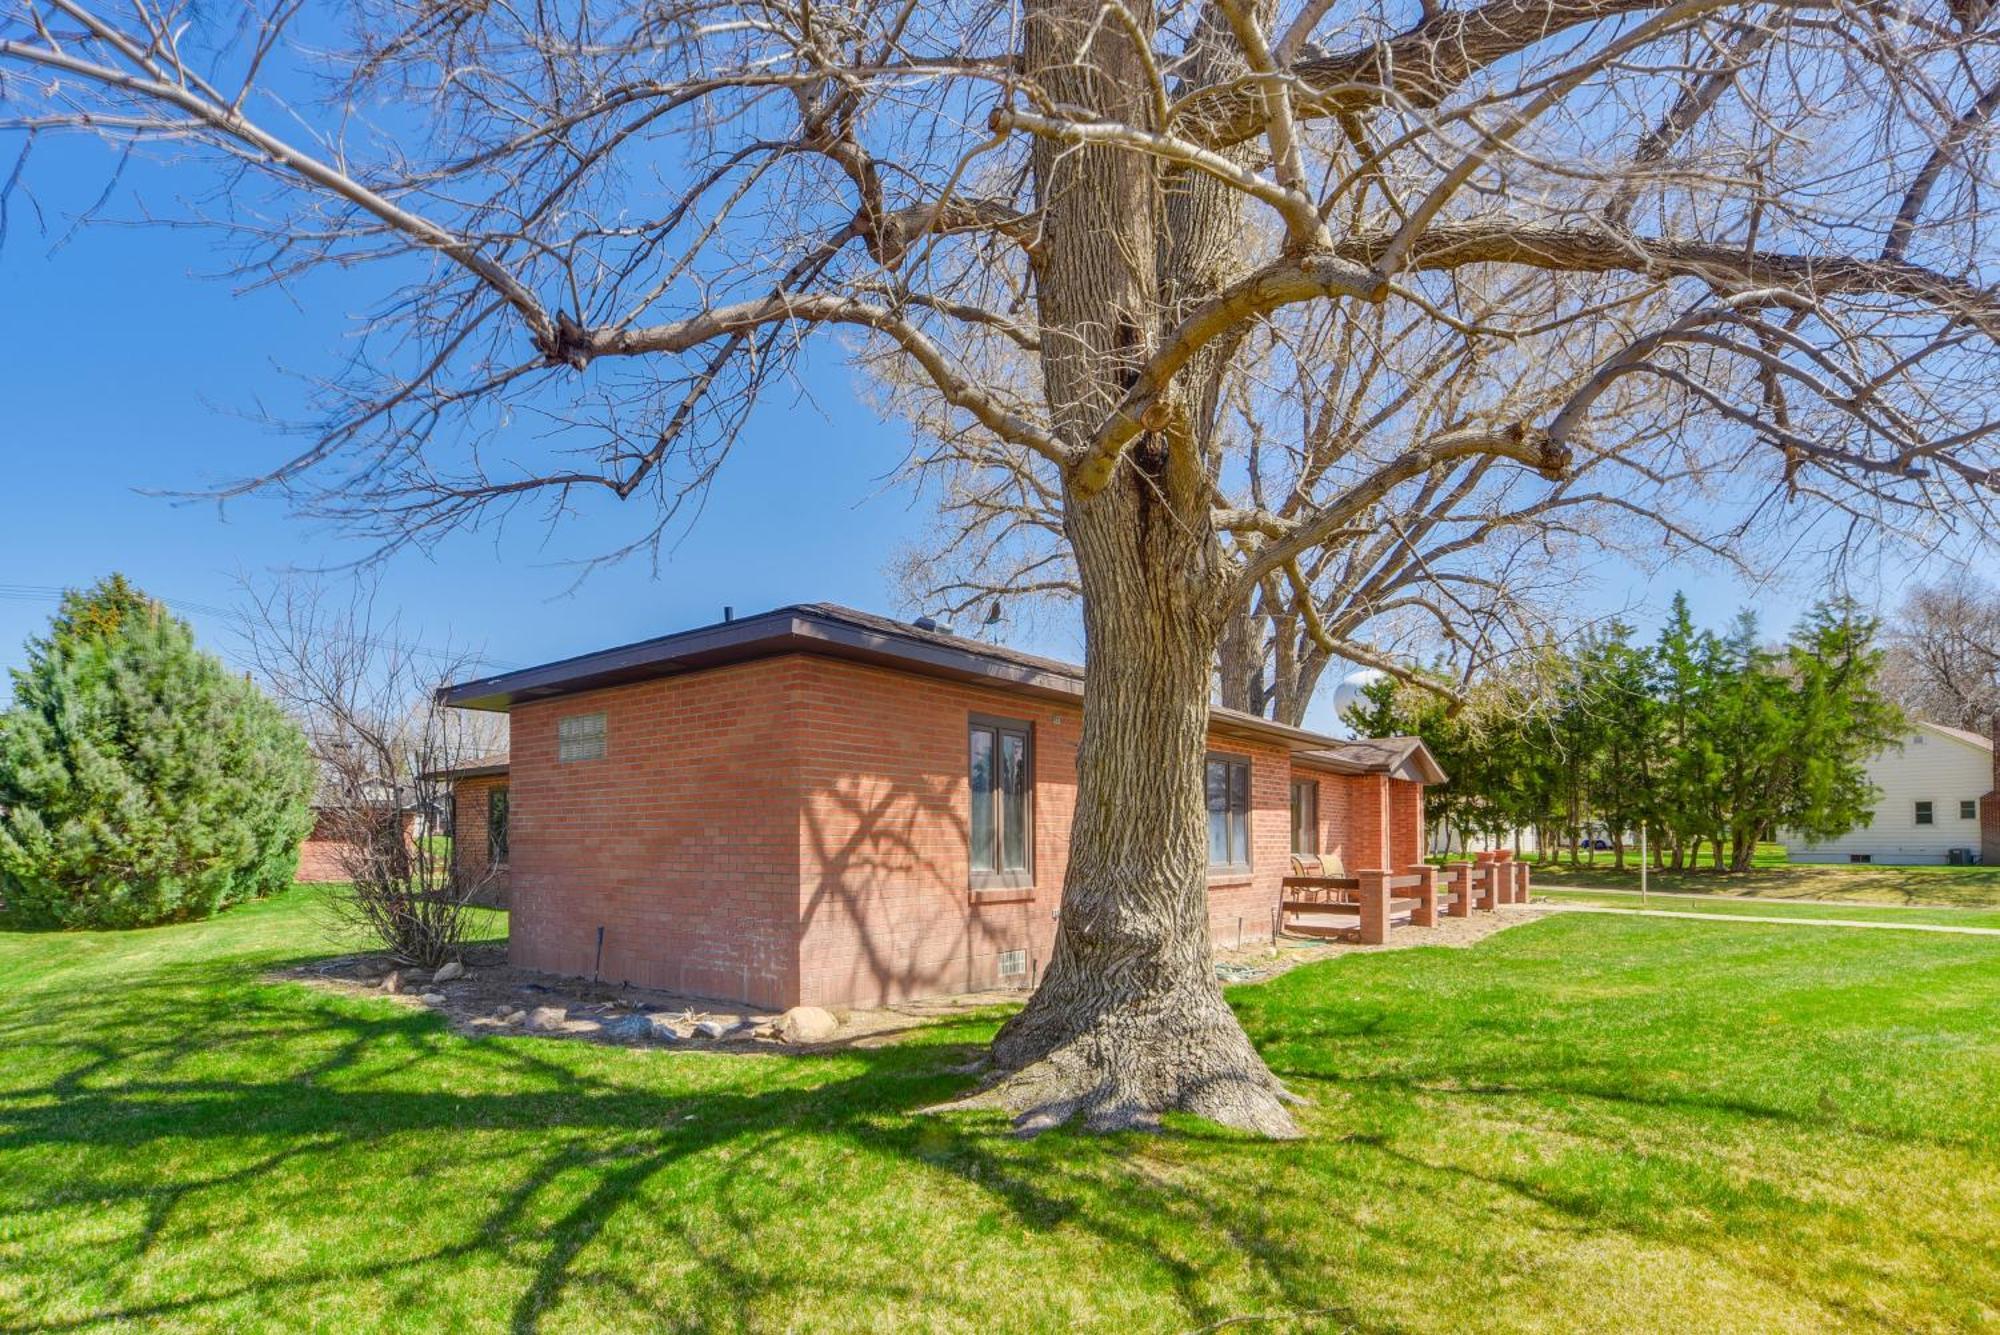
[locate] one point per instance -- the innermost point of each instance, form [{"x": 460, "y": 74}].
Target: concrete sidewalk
[
  {"x": 1781, "y": 922},
  {"x": 1712, "y": 897}
]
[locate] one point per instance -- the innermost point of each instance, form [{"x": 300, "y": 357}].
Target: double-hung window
[
  {"x": 1227, "y": 779},
  {"x": 1926, "y": 814},
  {"x": 1002, "y": 817},
  {"x": 1968, "y": 808},
  {"x": 1305, "y": 817}
]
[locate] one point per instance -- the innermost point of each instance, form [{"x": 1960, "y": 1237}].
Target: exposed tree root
[{"x": 1119, "y": 1068}]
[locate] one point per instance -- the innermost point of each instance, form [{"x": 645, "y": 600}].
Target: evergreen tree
[
  {"x": 140, "y": 781},
  {"x": 1622, "y": 778},
  {"x": 1841, "y": 716},
  {"x": 1683, "y": 662}
]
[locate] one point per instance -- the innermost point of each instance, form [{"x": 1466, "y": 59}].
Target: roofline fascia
[{"x": 808, "y": 629}]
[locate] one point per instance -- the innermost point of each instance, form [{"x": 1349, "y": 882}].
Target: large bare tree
[
  {"x": 1470, "y": 564},
  {"x": 1944, "y": 653},
  {"x": 1065, "y": 222}
]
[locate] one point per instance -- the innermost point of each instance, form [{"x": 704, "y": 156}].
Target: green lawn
[
  {"x": 1772, "y": 876},
  {"x": 1733, "y": 906},
  {"x": 1591, "y": 1122}
]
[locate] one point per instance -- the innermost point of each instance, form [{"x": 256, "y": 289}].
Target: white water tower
[{"x": 1349, "y": 692}]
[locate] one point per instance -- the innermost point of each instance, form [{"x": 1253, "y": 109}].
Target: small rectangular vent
[
  {"x": 1013, "y": 964},
  {"x": 580, "y": 737}
]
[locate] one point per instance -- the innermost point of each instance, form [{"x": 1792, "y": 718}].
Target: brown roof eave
[
  {"x": 489, "y": 769},
  {"x": 827, "y": 631}
]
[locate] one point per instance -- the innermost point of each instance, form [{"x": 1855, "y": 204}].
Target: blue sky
[{"x": 128, "y": 370}]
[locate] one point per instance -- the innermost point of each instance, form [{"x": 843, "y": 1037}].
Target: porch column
[
  {"x": 1374, "y": 897},
  {"x": 1490, "y": 875},
  {"x": 1460, "y": 904},
  {"x": 1426, "y": 912}
]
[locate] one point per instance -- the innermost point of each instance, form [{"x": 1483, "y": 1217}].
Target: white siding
[{"x": 1932, "y": 766}]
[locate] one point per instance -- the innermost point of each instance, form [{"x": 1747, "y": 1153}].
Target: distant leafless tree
[
  {"x": 367, "y": 700},
  {"x": 1066, "y": 227},
  {"x": 1944, "y": 654}
]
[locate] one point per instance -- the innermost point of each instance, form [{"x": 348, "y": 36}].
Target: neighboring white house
[{"x": 1931, "y": 786}]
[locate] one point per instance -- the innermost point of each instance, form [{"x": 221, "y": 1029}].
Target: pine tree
[
  {"x": 140, "y": 781},
  {"x": 1841, "y": 717},
  {"x": 1622, "y": 780},
  {"x": 1683, "y": 664}
]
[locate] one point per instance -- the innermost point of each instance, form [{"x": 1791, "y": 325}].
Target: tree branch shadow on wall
[{"x": 871, "y": 840}]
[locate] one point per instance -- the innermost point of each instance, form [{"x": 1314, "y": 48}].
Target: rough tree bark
[{"x": 1129, "y": 1020}]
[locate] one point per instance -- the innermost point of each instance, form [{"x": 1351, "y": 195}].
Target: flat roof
[
  {"x": 828, "y": 630},
  {"x": 485, "y": 767}
]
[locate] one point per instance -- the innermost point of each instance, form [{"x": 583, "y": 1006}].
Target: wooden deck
[{"x": 1416, "y": 894}]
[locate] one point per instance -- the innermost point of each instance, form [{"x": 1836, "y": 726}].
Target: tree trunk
[
  {"x": 1129, "y": 1021},
  {"x": 1239, "y": 664}
]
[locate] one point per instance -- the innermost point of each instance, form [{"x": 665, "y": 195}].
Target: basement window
[
  {"x": 1860, "y": 857},
  {"x": 1227, "y": 780},
  {"x": 580, "y": 737},
  {"x": 1001, "y": 825},
  {"x": 1926, "y": 813}
]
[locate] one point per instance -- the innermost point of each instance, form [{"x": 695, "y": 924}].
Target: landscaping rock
[
  {"x": 547, "y": 1019},
  {"x": 630, "y": 1026},
  {"x": 514, "y": 1017},
  {"x": 393, "y": 982},
  {"x": 713, "y": 1028},
  {"x": 432, "y": 998},
  {"x": 448, "y": 971},
  {"x": 806, "y": 1024},
  {"x": 661, "y": 1029}
]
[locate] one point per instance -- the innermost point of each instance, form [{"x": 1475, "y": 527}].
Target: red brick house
[
  {"x": 326, "y": 853},
  {"x": 479, "y": 825},
  {"x": 816, "y": 805}
]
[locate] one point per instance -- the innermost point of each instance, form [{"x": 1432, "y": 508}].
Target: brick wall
[
  {"x": 471, "y": 843},
  {"x": 323, "y": 852},
  {"x": 1353, "y": 816},
  {"x": 886, "y": 905},
  {"x": 682, "y": 842},
  {"x": 320, "y": 853},
  {"x": 1406, "y": 823},
  {"x": 1989, "y": 810},
  {"x": 794, "y": 830}
]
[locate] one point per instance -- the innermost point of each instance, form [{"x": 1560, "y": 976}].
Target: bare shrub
[{"x": 386, "y": 748}]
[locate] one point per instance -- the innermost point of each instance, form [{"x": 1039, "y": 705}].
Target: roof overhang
[
  {"x": 826, "y": 632},
  {"x": 1405, "y": 758},
  {"x": 767, "y": 635},
  {"x": 485, "y": 769}
]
